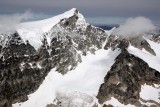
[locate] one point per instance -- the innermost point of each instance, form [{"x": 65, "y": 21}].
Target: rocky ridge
[
  {"x": 23, "y": 68},
  {"x": 125, "y": 78}
]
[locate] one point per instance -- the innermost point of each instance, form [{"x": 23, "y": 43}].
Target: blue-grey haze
[{"x": 96, "y": 11}]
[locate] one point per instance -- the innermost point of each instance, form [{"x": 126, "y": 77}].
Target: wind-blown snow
[
  {"x": 33, "y": 31},
  {"x": 8, "y": 23},
  {"x": 86, "y": 78}
]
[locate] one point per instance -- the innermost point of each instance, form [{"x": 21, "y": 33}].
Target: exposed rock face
[
  {"x": 22, "y": 68},
  {"x": 138, "y": 42},
  {"x": 125, "y": 78},
  {"x": 19, "y": 73},
  {"x": 70, "y": 39},
  {"x": 155, "y": 38},
  {"x": 108, "y": 105}
]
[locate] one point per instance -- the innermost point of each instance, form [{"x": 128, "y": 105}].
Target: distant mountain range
[{"x": 107, "y": 27}]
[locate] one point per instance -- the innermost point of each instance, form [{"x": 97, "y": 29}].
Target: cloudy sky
[{"x": 96, "y": 11}]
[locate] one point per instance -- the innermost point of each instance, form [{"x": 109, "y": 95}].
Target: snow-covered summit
[
  {"x": 89, "y": 65},
  {"x": 46, "y": 24},
  {"x": 33, "y": 31}
]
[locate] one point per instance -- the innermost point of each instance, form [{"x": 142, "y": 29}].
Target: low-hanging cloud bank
[
  {"x": 9, "y": 22},
  {"x": 135, "y": 27}
]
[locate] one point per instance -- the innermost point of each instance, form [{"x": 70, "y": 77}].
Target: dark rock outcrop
[
  {"x": 19, "y": 73},
  {"x": 125, "y": 78},
  {"x": 107, "y": 105},
  {"x": 121, "y": 42},
  {"x": 155, "y": 38},
  {"x": 23, "y": 69}
]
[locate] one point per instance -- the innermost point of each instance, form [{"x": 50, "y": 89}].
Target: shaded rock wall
[
  {"x": 23, "y": 69},
  {"x": 125, "y": 78}
]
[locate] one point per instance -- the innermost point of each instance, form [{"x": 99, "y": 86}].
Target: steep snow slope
[
  {"x": 155, "y": 46},
  {"x": 33, "y": 31},
  {"x": 86, "y": 78},
  {"x": 152, "y": 60}
]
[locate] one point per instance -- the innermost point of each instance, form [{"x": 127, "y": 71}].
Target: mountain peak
[
  {"x": 73, "y": 10},
  {"x": 32, "y": 31}
]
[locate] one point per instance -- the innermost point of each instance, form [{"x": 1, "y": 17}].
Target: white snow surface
[
  {"x": 86, "y": 78},
  {"x": 150, "y": 93},
  {"x": 153, "y": 61},
  {"x": 116, "y": 103},
  {"x": 33, "y": 31},
  {"x": 155, "y": 46}
]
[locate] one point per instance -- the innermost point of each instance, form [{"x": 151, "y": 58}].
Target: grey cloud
[
  {"x": 135, "y": 27},
  {"x": 112, "y": 7},
  {"x": 9, "y": 22},
  {"x": 89, "y": 8}
]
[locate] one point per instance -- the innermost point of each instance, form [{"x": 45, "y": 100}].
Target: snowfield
[
  {"x": 150, "y": 93},
  {"x": 86, "y": 78},
  {"x": 33, "y": 31},
  {"x": 79, "y": 87},
  {"x": 116, "y": 103}
]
